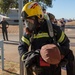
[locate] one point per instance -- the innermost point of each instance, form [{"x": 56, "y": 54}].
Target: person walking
[
  {"x": 45, "y": 56},
  {"x": 63, "y": 22},
  {"x": 4, "y": 27}
]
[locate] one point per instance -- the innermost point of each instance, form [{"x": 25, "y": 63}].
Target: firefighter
[
  {"x": 52, "y": 17},
  {"x": 69, "y": 66},
  {"x": 36, "y": 27}
]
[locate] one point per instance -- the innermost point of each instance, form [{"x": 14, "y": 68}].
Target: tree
[
  {"x": 45, "y": 2},
  {"x": 6, "y": 4},
  {"x": 42, "y": 2}
]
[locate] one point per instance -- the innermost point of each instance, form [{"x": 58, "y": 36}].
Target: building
[
  {"x": 13, "y": 16},
  {"x": 2, "y": 16}
]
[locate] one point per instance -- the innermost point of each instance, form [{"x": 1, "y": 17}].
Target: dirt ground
[
  {"x": 11, "y": 68},
  {"x": 12, "y": 29}
]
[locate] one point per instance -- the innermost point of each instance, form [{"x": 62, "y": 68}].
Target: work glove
[
  {"x": 30, "y": 58},
  {"x": 63, "y": 61}
]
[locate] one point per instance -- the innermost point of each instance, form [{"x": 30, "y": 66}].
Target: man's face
[
  {"x": 29, "y": 23},
  {"x": 3, "y": 19},
  {"x": 44, "y": 11}
]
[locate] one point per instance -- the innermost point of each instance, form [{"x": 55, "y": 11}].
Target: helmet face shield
[{"x": 29, "y": 25}]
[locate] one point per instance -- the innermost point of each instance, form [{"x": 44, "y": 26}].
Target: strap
[
  {"x": 50, "y": 28},
  {"x": 31, "y": 39}
]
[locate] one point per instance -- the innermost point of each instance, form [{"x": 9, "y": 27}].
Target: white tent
[{"x": 2, "y": 16}]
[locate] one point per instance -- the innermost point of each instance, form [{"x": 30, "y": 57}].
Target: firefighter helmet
[{"x": 32, "y": 9}]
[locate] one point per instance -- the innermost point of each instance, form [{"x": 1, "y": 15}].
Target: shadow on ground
[
  {"x": 11, "y": 42},
  {"x": 11, "y": 72},
  {"x": 72, "y": 37}
]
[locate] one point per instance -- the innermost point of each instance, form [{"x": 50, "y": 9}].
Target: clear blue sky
[{"x": 63, "y": 9}]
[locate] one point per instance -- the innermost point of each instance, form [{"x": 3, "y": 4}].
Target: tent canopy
[{"x": 2, "y": 16}]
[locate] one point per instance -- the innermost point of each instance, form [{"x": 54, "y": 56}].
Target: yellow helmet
[{"x": 32, "y": 9}]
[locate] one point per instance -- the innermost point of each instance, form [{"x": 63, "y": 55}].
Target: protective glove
[
  {"x": 30, "y": 58},
  {"x": 63, "y": 62}
]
